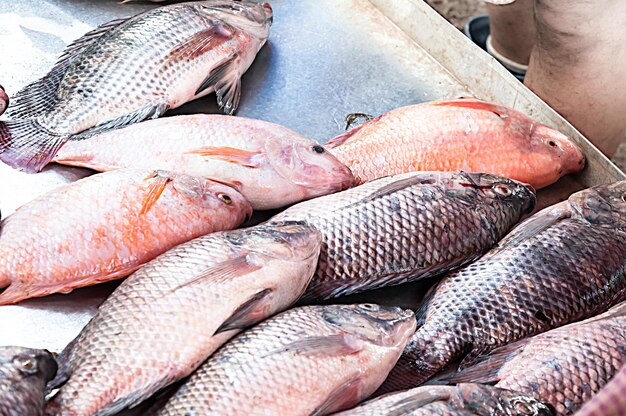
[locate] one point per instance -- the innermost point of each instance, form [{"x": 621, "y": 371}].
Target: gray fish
[
  {"x": 310, "y": 360},
  {"x": 24, "y": 373},
  {"x": 462, "y": 400},
  {"x": 565, "y": 263},
  {"x": 405, "y": 227},
  {"x": 169, "y": 316},
  {"x": 564, "y": 367},
  {"x": 134, "y": 69}
]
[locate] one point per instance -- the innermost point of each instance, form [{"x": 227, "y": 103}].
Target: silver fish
[
  {"x": 169, "y": 316},
  {"x": 311, "y": 360},
  {"x": 24, "y": 373},
  {"x": 133, "y": 69},
  {"x": 406, "y": 227}
]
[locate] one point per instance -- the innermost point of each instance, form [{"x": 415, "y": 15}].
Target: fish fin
[
  {"x": 136, "y": 397},
  {"x": 222, "y": 271},
  {"x": 201, "y": 42},
  {"x": 228, "y": 154},
  {"x": 474, "y": 104},
  {"x": 419, "y": 399},
  {"x": 343, "y": 137},
  {"x": 250, "y": 312},
  {"x": 11, "y": 294},
  {"x": 27, "y": 146},
  {"x": 418, "y": 178},
  {"x": 41, "y": 95},
  {"x": 346, "y": 395},
  {"x": 485, "y": 368},
  {"x": 226, "y": 80},
  {"x": 154, "y": 191},
  {"x": 532, "y": 226},
  {"x": 148, "y": 111},
  {"x": 323, "y": 345}
]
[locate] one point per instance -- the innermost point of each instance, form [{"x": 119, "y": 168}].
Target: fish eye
[
  {"x": 225, "y": 199},
  {"x": 369, "y": 307},
  {"x": 552, "y": 143},
  {"x": 25, "y": 364},
  {"x": 318, "y": 149},
  {"x": 523, "y": 408},
  {"x": 502, "y": 190}
]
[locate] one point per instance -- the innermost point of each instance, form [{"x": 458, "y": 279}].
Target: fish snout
[
  {"x": 529, "y": 198},
  {"x": 269, "y": 13}
]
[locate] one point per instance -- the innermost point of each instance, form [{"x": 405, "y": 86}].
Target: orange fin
[
  {"x": 228, "y": 154},
  {"x": 342, "y": 138},
  {"x": 474, "y": 104},
  {"x": 200, "y": 43},
  {"x": 155, "y": 189}
]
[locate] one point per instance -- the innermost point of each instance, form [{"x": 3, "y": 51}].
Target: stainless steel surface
[{"x": 324, "y": 59}]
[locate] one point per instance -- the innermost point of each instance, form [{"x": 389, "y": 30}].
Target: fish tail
[{"x": 27, "y": 146}]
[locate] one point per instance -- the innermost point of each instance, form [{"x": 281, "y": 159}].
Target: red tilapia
[
  {"x": 4, "y": 100},
  {"x": 469, "y": 135},
  {"x": 105, "y": 227},
  {"x": 271, "y": 165}
]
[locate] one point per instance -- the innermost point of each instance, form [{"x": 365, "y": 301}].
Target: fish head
[
  {"x": 602, "y": 204},
  {"x": 482, "y": 399},
  {"x": 308, "y": 167},
  {"x": 20, "y": 363},
  {"x": 384, "y": 326},
  {"x": 214, "y": 195},
  {"x": 287, "y": 240},
  {"x": 482, "y": 186},
  {"x": 559, "y": 150},
  {"x": 249, "y": 16}
]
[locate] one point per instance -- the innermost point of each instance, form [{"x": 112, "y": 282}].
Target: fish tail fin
[
  {"x": 10, "y": 293},
  {"x": 27, "y": 146}
]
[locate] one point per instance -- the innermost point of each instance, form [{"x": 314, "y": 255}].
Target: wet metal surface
[{"x": 324, "y": 59}]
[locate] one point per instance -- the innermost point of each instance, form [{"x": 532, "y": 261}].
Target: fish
[
  {"x": 309, "y": 360},
  {"x": 406, "y": 227},
  {"x": 163, "y": 321},
  {"x": 4, "y": 100},
  {"x": 105, "y": 227},
  {"x": 134, "y": 69},
  {"x": 24, "y": 373},
  {"x": 451, "y": 135},
  {"x": 561, "y": 265},
  {"x": 271, "y": 165},
  {"x": 610, "y": 400},
  {"x": 465, "y": 399},
  {"x": 563, "y": 367}
]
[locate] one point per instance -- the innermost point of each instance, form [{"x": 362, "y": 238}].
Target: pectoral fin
[
  {"x": 155, "y": 189},
  {"x": 240, "y": 157},
  {"x": 250, "y": 312}
]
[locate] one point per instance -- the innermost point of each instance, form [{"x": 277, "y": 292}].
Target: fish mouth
[
  {"x": 532, "y": 201},
  {"x": 269, "y": 13}
]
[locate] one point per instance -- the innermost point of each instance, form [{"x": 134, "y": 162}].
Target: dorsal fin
[{"x": 41, "y": 95}]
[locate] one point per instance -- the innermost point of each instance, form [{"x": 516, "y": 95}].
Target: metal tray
[{"x": 324, "y": 59}]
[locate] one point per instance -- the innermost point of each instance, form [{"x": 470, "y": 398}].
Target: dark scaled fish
[
  {"x": 405, "y": 227},
  {"x": 563, "y": 367},
  {"x": 134, "y": 69},
  {"x": 24, "y": 373},
  {"x": 168, "y": 317},
  {"x": 462, "y": 400},
  {"x": 565, "y": 263},
  {"x": 312, "y": 360}
]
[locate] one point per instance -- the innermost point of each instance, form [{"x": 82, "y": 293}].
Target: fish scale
[
  {"x": 406, "y": 227},
  {"x": 298, "y": 363},
  {"x": 564, "y": 367},
  {"x": 168, "y": 317},
  {"x": 571, "y": 251},
  {"x": 133, "y": 69}
]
